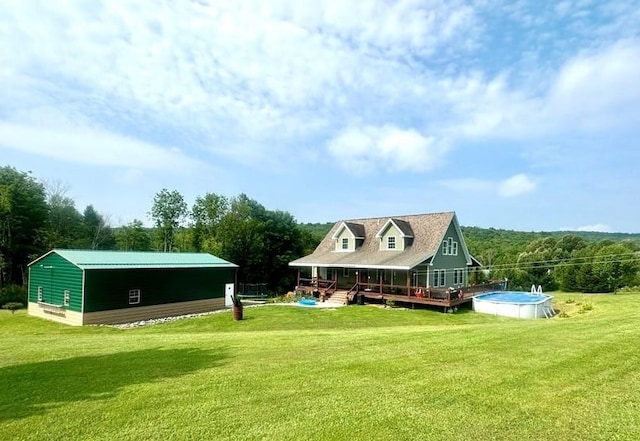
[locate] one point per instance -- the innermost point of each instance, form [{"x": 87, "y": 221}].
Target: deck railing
[
  {"x": 451, "y": 294},
  {"x": 316, "y": 283}
]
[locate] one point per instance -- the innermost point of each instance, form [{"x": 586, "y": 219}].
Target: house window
[
  {"x": 329, "y": 273},
  {"x": 39, "y": 293},
  {"x": 458, "y": 277},
  {"x": 345, "y": 243},
  {"x": 391, "y": 243},
  {"x": 134, "y": 296},
  {"x": 449, "y": 247},
  {"x": 439, "y": 277},
  {"x": 67, "y": 297},
  {"x": 345, "y": 272}
]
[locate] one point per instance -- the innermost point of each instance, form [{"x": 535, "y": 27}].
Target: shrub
[
  {"x": 390, "y": 303},
  {"x": 628, "y": 290},
  {"x": 13, "y": 293},
  {"x": 586, "y": 307},
  {"x": 13, "y": 306}
]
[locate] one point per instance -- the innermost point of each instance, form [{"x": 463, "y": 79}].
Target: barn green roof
[{"x": 95, "y": 259}]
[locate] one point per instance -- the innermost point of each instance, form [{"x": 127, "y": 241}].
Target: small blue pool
[
  {"x": 514, "y": 304},
  {"x": 306, "y": 302}
]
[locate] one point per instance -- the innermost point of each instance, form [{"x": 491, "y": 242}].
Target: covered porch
[{"x": 399, "y": 289}]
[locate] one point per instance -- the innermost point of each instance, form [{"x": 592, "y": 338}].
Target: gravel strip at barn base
[{"x": 156, "y": 321}]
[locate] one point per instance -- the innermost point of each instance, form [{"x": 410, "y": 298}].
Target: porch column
[
  {"x": 380, "y": 277},
  {"x": 408, "y": 283}
]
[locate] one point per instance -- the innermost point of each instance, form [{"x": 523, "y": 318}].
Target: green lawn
[{"x": 356, "y": 373}]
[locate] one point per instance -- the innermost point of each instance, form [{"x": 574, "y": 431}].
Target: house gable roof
[
  {"x": 402, "y": 226},
  {"x": 356, "y": 230},
  {"x": 427, "y": 230},
  {"x": 96, "y": 259}
]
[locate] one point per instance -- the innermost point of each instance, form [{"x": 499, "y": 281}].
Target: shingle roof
[
  {"x": 356, "y": 229},
  {"x": 95, "y": 259},
  {"x": 427, "y": 231}
]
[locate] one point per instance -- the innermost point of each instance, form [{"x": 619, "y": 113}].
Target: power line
[{"x": 568, "y": 259}]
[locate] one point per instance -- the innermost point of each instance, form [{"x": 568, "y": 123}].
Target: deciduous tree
[
  {"x": 168, "y": 212},
  {"x": 23, "y": 214}
]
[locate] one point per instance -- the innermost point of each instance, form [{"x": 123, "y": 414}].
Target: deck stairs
[{"x": 339, "y": 296}]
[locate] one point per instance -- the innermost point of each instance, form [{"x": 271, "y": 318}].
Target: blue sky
[{"x": 517, "y": 114}]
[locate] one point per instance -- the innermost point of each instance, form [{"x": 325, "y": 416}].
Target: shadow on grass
[{"x": 34, "y": 388}]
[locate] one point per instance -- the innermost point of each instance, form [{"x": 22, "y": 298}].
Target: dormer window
[
  {"x": 348, "y": 237},
  {"x": 395, "y": 234},
  {"x": 391, "y": 242}
]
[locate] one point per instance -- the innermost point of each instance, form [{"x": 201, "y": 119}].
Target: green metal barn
[{"x": 81, "y": 287}]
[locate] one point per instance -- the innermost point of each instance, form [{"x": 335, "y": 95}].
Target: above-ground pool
[{"x": 514, "y": 304}]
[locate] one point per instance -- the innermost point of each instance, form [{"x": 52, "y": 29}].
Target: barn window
[
  {"x": 134, "y": 296},
  {"x": 67, "y": 297},
  {"x": 39, "y": 293}
]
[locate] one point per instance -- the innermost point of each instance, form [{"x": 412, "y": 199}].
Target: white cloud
[
  {"x": 92, "y": 146},
  {"x": 464, "y": 185},
  {"x": 599, "y": 90},
  {"x": 601, "y": 228},
  {"x": 595, "y": 91},
  {"x": 264, "y": 82},
  {"x": 252, "y": 78},
  {"x": 387, "y": 148},
  {"x": 516, "y": 185}
]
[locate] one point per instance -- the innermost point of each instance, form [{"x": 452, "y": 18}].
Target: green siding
[
  {"x": 448, "y": 262},
  {"x": 55, "y": 275},
  {"x": 109, "y": 289}
]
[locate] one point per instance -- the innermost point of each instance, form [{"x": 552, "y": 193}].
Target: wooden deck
[
  {"x": 446, "y": 302},
  {"x": 439, "y": 297}
]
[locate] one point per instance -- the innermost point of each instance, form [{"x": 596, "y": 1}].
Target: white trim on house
[
  {"x": 354, "y": 266},
  {"x": 380, "y": 233},
  {"x": 342, "y": 227}
]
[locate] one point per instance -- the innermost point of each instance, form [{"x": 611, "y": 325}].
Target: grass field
[{"x": 356, "y": 373}]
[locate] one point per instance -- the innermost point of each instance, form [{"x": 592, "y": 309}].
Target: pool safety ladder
[{"x": 536, "y": 291}]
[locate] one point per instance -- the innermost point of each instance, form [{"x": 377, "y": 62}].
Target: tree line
[
  {"x": 35, "y": 218},
  {"x": 568, "y": 261}
]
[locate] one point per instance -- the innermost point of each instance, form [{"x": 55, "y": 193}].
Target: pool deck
[{"x": 447, "y": 302}]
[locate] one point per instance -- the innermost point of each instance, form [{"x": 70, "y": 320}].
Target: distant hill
[
  {"x": 480, "y": 238},
  {"x": 321, "y": 229},
  {"x": 477, "y": 233}
]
